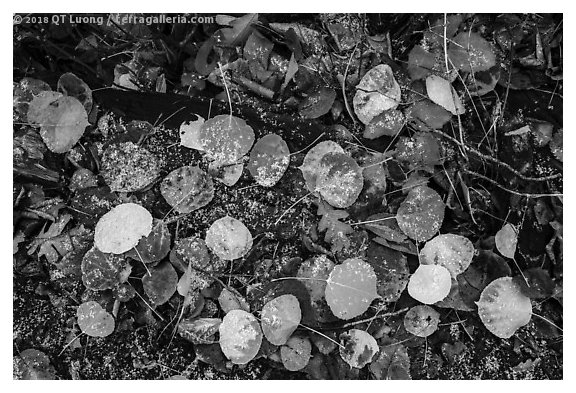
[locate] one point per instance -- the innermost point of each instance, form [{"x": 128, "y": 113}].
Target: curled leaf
[
  {"x": 122, "y": 228},
  {"x": 503, "y": 308},
  {"x": 240, "y": 336},
  {"x": 350, "y": 288}
]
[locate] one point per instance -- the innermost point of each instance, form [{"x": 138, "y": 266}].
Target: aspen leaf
[
  {"x": 506, "y": 240},
  {"x": 269, "y": 160},
  {"x": 430, "y": 283},
  {"x": 358, "y": 347},
  {"x": 340, "y": 180},
  {"x": 160, "y": 284},
  {"x": 280, "y": 318},
  {"x": 187, "y": 188},
  {"x": 296, "y": 353},
  {"x": 441, "y": 92},
  {"x": 454, "y": 252},
  {"x": 350, "y": 288},
  {"x": 240, "y": 336},
  {"x": 421, "y": 320},
  {"x": 228, "y": 238},
  {"x": 94, "y": 320},
  {"x": 503, "y": 308},
  {"x": 122, "y": 228},
  {"x": 377, "y": 92},
  {"x": 226, "y": 138},
  {"x": 421, "y": 214},
  {"x": 311, "y": 164}
]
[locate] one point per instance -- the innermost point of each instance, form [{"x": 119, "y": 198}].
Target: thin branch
[{"x": 524, "y": 194}]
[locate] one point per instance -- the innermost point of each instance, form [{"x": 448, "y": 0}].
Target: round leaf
[
  {"x": 62, "y": 120},
  {"x": 190, "y": 134},
  {"x": 506, "y": 240},
  {"x": 358, "y": 347},
  {"x": 340, "y": 180},
  {"x": 101, "y": 271},
  {"x": 280, "y": 318},
  {"x": 503, "y": 308},
  {"x": 421, "y": 321},
  {"x": 315, "y": 272},
  {"x": 227, "y": 174},
  {"x": 430, "y": 283},
  {"x": 155, "y": 246},
  {"x": 470, "y": 52},
  {"x": 311, "y": 164},
  {"x": 228, "y": 238},
  {"x": 240, "y": 336},
  {"x": 350, "y": 288},
  {"x": 317, "y": 103},
  {"x": 187, "y": 188},
  {"x": 122, "y": 228},
  {"x": 441, "y": 92},
  {"x": 160, "y": 284},
  {"x": 454, "y": 252},
  {"x": 190, "y": 251},
  {"x": 295, "y": 354},
  {"x": 127, "y": 167},
  {"x": 421, "y": 214},
  {"x": 31, "y": 364},
  {"x": 226, "y": 138},
  {"x": 389, "y": 123},
  {"x": 94, "y": 320},
  {"x": 269, "y": 160},
  {"x": 377, "y": 91}
]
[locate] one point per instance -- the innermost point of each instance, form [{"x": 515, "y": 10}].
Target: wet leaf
[
  {"x": 94, "y": 320},
  {"x": 420, "y": 151},
  {"x": 229, "y": 238},
  {"x": 72, "y": 86},
  {"x": 358, "y": 348},
  {"x": 199, "y": 331},
  {"x": 296, "y": 353},
  {"x": 227, "y": 174},
  {"x": 190, "y": 251},
  {"x": 421, "y": 214},
  {"x": 503, "y": 308},
  {"x": 122, "y": 228},
  {"x": 430, "y": 283},
  {"x": 454, "y": 252},
  {"x": 240, "y": 336},
  {"x": 102, "y": 271},
  {"x": 432, "y": 115},
  {"x": 340, "y": 180},
  {"x": 506, "y": 240},
  {"x": 155, "y": 246},
  {"x": 160, "y": 284},
  {"x": 315, "y": 273},
  {"x": 470, "y": 52},
  {"x": 187, "y": 188},
  {"x": 336, "y": 231},
  {"x": 32, "y": 364},
  {"x": 317, "y": 103},
  {"x": 441, "y": 92},
  {"x": 391, "y": 268},
  {"x": 127, "y": 167},
  {"x": 377, "y": 91},
  {"x": 280, "y": 317},
  {"x": 392, "y": 362},
  {"x": 190, "y": 134},
  {"x": 269, "y": 159},
  {"x": 62, "y": 120},
  {"x": 421, "y": 321},
  {"x": 311, "y": 164},
  {"x": 350, "y": 288},
  {"x": 390, "y": 123},
  {"x": 226, "y": 138},
  {"x": 232, "y": 300}
]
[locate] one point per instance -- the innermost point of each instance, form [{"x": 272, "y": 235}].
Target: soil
[{"x": 282, "y": 219}]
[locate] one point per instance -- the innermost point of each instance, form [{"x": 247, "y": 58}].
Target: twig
[
  {"x": 344, "y": 86},
  {"x": 524, "y": 194},
  {"x": 377, "y": 316},
  {"x": 495, "y": 160}
]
